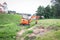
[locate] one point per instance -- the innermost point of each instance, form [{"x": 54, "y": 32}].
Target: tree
[
  {"x": 53, "y": 11},
  {"x": 40, "y": 11},
  {"x": 50, "y": 12},
  {"x": 47, "y": 12},
  {"x": 57, "y": 6}
]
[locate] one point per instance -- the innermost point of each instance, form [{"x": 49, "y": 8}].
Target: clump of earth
[{"x": 40, "y": 31}]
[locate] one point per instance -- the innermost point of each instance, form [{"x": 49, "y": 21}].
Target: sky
[{"x": 25, "y": 6}]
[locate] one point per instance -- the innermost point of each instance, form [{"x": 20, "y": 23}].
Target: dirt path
[
  {"x": 34, "y": 28},
  {"x": 19, "y": 34}
]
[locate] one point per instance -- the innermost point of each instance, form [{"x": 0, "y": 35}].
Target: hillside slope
[
  {"x": 8, "y": 26},
  {"x": 51, "y": 30},
  {"x": 9, "y": 18}
]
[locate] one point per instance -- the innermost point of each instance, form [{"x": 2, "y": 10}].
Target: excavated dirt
[{"x": 40, "y": 30}]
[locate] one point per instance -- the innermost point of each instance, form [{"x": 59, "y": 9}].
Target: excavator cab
[{"x": 25, "y": 19}]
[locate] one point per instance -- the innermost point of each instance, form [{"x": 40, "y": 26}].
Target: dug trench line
[{"x": 20, "y": 33}]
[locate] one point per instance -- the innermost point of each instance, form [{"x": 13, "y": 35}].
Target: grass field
[
  {"x": 49, "y": 22},
  {"x": 50, "y": 35},
  {"x": 9, "y": 27}
]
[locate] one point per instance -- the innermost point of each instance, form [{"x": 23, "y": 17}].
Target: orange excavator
[{"x": 27, "y": 19}]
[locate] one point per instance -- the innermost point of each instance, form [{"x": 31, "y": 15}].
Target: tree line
[{"x": 52, "y": 11}]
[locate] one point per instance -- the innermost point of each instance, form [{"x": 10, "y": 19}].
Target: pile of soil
[{"x": 37, "y": 31}]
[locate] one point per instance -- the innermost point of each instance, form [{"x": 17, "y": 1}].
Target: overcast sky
[{"x": 25, "y": 6}]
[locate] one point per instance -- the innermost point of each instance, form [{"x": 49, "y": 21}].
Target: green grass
[
  {"x": 51, "y": 35},
  {"x": 54, "y": 35},
  {"x": 8, "y": 26},
  {"x": 32, "y": 23},
  {"x": 50, "y": 22},
  {"x": 9, "y": 18}
]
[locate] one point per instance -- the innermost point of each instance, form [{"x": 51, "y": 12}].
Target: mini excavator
[{"x": 27, "y": 19}]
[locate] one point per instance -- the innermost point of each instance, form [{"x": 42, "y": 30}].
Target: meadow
[
  {"x": 9, "y": 26},
  {"x": 53, "y": 34}
]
